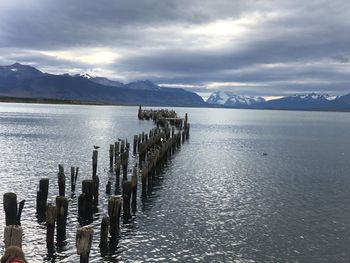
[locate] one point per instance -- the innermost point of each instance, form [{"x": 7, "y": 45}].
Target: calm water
[{"x": 219, "y": 198}]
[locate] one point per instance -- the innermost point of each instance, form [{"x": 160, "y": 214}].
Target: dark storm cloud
[{"x": 252, "y": 47}]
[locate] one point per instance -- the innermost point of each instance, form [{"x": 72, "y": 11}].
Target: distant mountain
[
  {"x": 304, "y": 101},
  {"x": 27, "y": 82},
  {"x": 143, "y": 85},
  {"x": 19, "y": 71},
  {"x": 101, "y": 80},
  {"x": 311, "y": 101},
  {"x": 231, "y": 99}
]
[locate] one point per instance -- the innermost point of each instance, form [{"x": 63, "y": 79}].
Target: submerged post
[
  {"x": 94, "y": 163},
  {"x": 51, "y": 215},
  {"x": 73, "y": 177},
  {"x": 10, "y": 207},
  {"x": 111, "y": 155},
  {"x": 62, "y": 212},
  {"x": 114, "y": 209},
  {"x": 41, "y": 196},
  {"x": 61, "y": 180},
  {"x": 83, "y": 243},
  {"x": 104, "y": 232}
]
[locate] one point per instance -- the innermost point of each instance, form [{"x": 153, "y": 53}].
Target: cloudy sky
[{"x": 267, "y": 48}]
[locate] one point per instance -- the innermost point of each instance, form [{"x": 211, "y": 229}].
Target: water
[{"x": 219, "y": 199}]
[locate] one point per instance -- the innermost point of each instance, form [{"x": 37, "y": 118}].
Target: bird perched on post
[{"x": 96, "y": 147}]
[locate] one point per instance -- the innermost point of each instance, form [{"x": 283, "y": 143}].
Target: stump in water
[
  {"x": 41, "y": 196},
  {"x": 13, "y": 236},
  {"x": 111, "y": 157},
  {"x": 10, "y": 207},
  {"x": 51, "y": 215},
  {"x": 62, "y": 212},
  {"x": 104, "y": 232},
  {"x": 127, "y": 189},
  {"x": 94, "y": 163},
  {"x": 114, "y": 209},
  {"x": 61, "y": 180},
  {"x": 83, "y": 243},
  {"x": 85, "y": 204},
  {"x": 134, "y": 189},
  {"x": 108, "y": 188},
  {"x": 73, "y": 177}
]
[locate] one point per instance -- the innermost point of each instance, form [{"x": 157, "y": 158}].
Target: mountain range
[
  {"x": 23, "y": 81},
  {"x": 311, "y": 101}
]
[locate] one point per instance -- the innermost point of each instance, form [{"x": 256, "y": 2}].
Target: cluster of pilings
[{"x": 150, "y": 151}]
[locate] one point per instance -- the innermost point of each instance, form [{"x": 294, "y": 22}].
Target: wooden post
[
  {"x": 85, "y": 199},
  {"x": 108, "y": 188},
  {"x": 96, "y": 184},
  {"x": 73, "y": 177},
  {"x": 114, "y": 209},
  {"x": 10, "y": 207},
  {"x": 104, "y": 232},
  {"x": 41, "y": 196},
  {"x": 83, "y": 243},
  {"x": 135, "y": 145},
  {"x": 20, "y": 208},
  {"x": 13, "y": 236},
  {"x": 139, "y": 115},
  {"x": 51, "y": 214},
  {"x": 127, "y": 189},
  {"x": 94, "y": 163},
  {"x": 62, "y": 212},
  {"x": 111, "y": 157},
  {"x": 134, "y": 189},
  {"x": 117, "y": 166},
  {"x": 61, "y": 180}
]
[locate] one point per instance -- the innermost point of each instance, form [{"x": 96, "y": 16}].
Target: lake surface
[{"x": 219, "y": 198}]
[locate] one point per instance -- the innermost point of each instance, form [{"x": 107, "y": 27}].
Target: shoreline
[{"x": 96, "y": 103}]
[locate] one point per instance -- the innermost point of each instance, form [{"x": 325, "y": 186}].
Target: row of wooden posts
[{"x": 152, "y": 149}]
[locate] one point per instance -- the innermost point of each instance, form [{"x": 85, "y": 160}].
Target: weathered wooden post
[
  {"x": 85, "y": 199},
  {"x": 61, "y": 180},
  {"x": 111, "y": 157},
  {"x": 114, "y": 209},
  {"x": 117, "y": 166},
  {"x": 13, "y": 236},
  {"x": 41, "y": 196},
  {"x": 135, "y": 145},
  {"x": 104, "y": 232},
  {"x": 62, "y": 212},
  {"x": 94, "y": 163},
  {"x": 51, "y": 215},
  {"x": 96, "y": 180},
  {"x": 127, "y": 189},
  {"x": 139, "y": 115},
  {"x": 134, "y": 189},
  {"x": 108, "y": 188},
  {"x": 20, "y": 208},
  {"x": 10, "y": 207},
  {"x": 73, "y": 177},
  {"x": 83, "y": 243}
]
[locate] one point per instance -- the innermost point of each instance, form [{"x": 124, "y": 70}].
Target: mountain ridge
[{"x": 25, "y": 81}]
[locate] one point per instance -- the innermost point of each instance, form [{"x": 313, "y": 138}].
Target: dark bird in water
[
  {"x": 264, "y": 154},
  {"x": 96, "y": 147}
]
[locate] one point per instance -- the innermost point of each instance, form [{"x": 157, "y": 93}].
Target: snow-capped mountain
[
  {"x": 231, "y": 99},
  {"x": 304, "y": 101}
]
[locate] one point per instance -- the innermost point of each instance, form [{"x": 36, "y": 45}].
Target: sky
[{"x": 264, "y": 48}]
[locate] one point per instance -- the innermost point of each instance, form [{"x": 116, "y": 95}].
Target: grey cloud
[{"x": 307, "y": 42}]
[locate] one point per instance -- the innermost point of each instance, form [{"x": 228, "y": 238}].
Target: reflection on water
[{"x": 219, "y": 199}]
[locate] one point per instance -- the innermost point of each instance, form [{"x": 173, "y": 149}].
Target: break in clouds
[{"x": 267, "y": 48}]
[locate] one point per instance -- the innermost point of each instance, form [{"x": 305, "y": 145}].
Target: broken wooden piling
[{"x": 83, "y": 243}]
